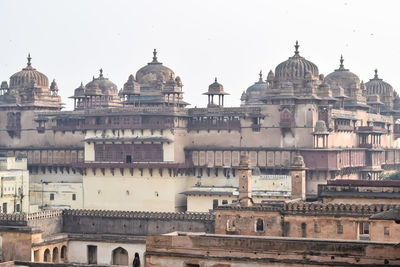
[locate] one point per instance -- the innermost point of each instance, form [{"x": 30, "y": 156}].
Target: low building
[
  {"x": 200, "y": 249},
  {"x": 360, "y": 192},
  {"x": 14, "y": 184}
]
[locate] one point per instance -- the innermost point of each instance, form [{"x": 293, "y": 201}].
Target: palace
[{"x": 141, "y": 148}]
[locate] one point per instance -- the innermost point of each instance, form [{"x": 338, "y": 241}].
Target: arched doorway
[
  {"x": 47, "y": 256},
  {"x": 120, "y": 257},
  {"x": 63, "y": 253},
  {"x": 55, "y": 254}
]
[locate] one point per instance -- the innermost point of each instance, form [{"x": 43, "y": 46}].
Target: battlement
[
  {"x": 142, "y": 215},
  {"x": 316, "y": 209},
  {"x": 335, "y": 209}
]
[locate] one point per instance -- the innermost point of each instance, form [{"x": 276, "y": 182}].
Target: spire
[
  {"x": 296, "y": 52},
  {"x": 154, "y": 56},
  {"x": 101, "y": 73},
  {"x": 29, "y": 60},
  {"x": 341, "y": 62},
  {"x": 341, "y": 66},
  {"x": 261, "y": 78},
  {"x": 376, "y": 74}
]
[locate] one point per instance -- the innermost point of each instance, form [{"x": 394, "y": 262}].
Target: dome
[
  {"x": 342, "y": 77},
  {"x": 320, "y": 127},
  {"x": 295, "y": 68},
  {"x": 54, "y": 86},
  {"x": 106, "y": 86},
  {"x": 216, "y": 88},
  {"x": 131, "y": 87},
  {"x": 27, "y": 76},
  {"x": 378, "y": 86},
  {"x": 257, "y": 91},
  {"x": 80, "y": 91},
  {"x": 155, "y": 73}
]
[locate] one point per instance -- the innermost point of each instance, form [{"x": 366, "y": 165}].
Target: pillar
[
  {"x": 298, "y": 177},
  {"x": 245, "y": 177}
]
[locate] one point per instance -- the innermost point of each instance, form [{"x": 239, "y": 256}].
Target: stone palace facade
[{"x": 141, "y": 148}]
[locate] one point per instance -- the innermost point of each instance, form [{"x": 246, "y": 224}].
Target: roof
[
  {"x": 380, "y": 183},
  {"x": 393, "y": 214},
  {"x": 135, "y": 139}
]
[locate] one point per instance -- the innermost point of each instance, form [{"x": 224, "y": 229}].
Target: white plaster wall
[{"x": 77, "y": 251}]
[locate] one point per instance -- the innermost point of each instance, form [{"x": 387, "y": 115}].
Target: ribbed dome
[
  {"x": 378, "y": 86},
  {"x": 342, "y": 77},
  {"x": 154, "y": 73},
  {"x": 106, "y": 86},
  {"x": 27, "y": 76},
  {"x": 295, "y": 68}
]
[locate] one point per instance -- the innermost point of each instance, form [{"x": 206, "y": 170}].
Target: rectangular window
[
  {"x": 303, "y": 229},
  {"x": 92, "y": 254},
  {"x": 364, "y": 230},
  {"x": 73, "y": 196},
  {"x": 386, "y": 231},
  {"x": 215, "y": 203},
  {"x": 4, "y": 207},
  {"x": 317, "y": 229},
  {"x": 286, "y": 228},
  {"x": 192, "y": 265},
  {"x": 51, "y": 196},
  {"x": 224, "y": 202},
  {"x": 339, "y": 228},
  {"x": 17, "y": 208}
]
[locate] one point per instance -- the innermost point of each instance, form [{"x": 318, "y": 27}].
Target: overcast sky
[{"x": 232, "y": 40}]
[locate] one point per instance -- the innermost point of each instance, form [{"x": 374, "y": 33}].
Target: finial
[
  {"x": 154, "y": 55},
  {"x": 81, "y": 84},
  {"x": 29, "y": 59},
  {"x": 215, "y": 79},
  {"x": 260, "y": 74},
  {"x": 296, "y": 52},
  {"x": 341, "y": 62},
  {"x": 101, "y": 72},
  {"x": 376, "y": 74}
]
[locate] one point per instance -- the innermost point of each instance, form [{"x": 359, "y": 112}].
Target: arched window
[
  {"x": 120, "y": 257},
  {"x": 259, "y": 225},
  {"x": 63, "y": 253},
  {"x": 55, "y": 254},
  {"x": 46, "y": 256},
  {"x": 136, "y": 260}
]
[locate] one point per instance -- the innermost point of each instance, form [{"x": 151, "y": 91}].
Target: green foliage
[{"x": 392, "y": 176}]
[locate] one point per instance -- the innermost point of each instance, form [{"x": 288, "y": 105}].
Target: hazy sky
[{"x": 233, "y": 40}]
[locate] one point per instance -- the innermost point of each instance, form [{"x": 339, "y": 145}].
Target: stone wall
[
  {"x": 314, "y": 220},
  {"x": 179, "y": 249},
  {"x": 135, "y": 223}
]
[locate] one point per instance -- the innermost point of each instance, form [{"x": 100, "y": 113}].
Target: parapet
[
  {"x": 142, "y": 214},
  {"x": 315, "y": 209}
]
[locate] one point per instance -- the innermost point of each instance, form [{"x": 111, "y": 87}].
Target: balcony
[
  {"x": 343, "y": 128},
  {"x": 371, "y": 129}
]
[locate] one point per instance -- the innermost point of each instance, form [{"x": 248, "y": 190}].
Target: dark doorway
[{"x": 92, "y": 254}]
